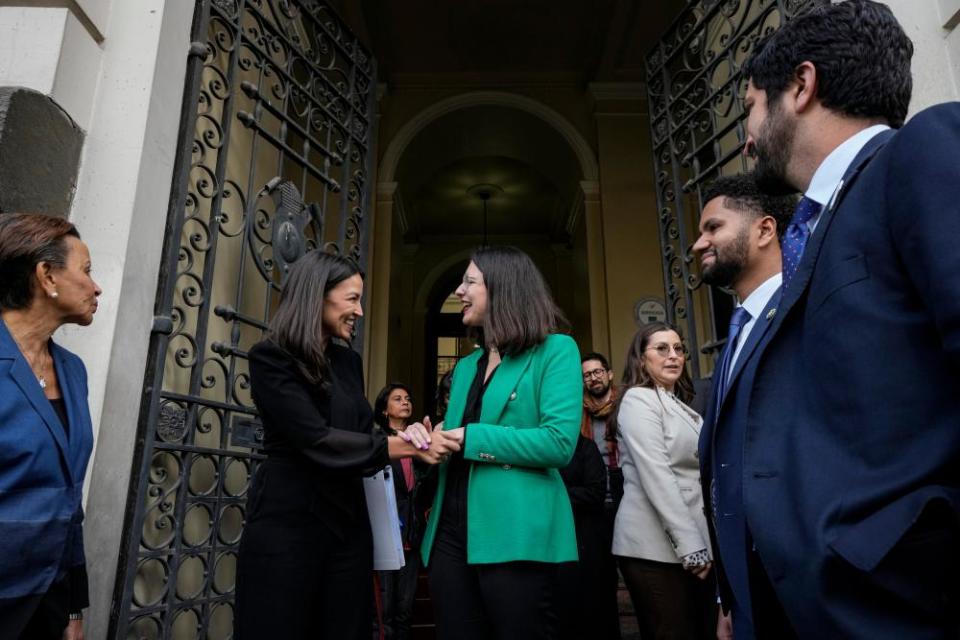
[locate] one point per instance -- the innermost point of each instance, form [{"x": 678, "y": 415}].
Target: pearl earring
[{"x": 54, "y": 295}]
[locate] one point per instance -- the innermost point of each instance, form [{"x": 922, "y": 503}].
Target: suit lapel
[
  {"x": 502, "y": 384},
  {"x": 756, "y": 335},
  {"x": 460, "y": 388},
  {"x": 674, "y": 409},
  {"x": 801, "y": 278},
  {"x": 25, "y": 379}
]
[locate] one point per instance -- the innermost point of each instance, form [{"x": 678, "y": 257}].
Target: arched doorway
[{"x": 534, "y": 162}]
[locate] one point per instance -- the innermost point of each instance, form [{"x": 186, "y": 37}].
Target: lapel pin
[{"x": 771, "y": 313}]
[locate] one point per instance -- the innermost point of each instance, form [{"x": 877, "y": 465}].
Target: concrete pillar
[
  {"x": 593, "y": 222},
  {"x": 378, "y": 307}
]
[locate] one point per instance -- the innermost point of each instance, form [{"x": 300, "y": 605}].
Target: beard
[
  {"x": 730, "y": 262},
  {"x": 772, "y": 151},
  {"x": 602, "y": 391}
]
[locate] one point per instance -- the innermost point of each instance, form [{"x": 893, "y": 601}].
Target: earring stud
[{"x": 54, "y": 295}]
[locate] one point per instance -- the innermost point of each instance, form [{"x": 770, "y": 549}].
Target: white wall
[{"x": 931, "y": 24}]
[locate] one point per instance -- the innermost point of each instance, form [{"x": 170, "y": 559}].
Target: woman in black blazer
[{"x": 305, "y": 564}]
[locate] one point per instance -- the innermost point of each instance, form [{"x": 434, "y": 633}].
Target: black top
[
  {"x": 319, "y": 439},
  {"x": 454, "y": 511},
  {"x": 60, "y": 408}
]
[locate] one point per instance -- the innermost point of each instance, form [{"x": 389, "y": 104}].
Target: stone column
[{"x": 596, "y": 265}]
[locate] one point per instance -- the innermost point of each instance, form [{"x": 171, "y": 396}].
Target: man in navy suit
[
  {"x": 739, "y": 249},
  {"x": 850, "y": 447}
]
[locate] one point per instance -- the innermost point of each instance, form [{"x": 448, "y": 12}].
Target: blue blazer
[
  {"x": 41, "y": 471},
  {"x": 851, "y": 443},
  {"x": 721, "y": 465}
]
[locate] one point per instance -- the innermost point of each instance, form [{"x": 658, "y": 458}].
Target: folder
[{"x": 384, "y": 520}]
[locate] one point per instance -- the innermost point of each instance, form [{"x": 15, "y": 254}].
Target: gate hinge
[{"x": 197, "y": 50}]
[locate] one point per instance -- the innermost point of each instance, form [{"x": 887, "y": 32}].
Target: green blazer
[{"x": 518, "y": 507}]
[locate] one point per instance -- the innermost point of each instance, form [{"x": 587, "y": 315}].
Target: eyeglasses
[
  {"x": 596, "y": 373},
  {"x": 663, "y": 350}
]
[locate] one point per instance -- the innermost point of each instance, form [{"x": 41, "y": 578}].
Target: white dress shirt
[
  {"x": 826, "y": 179},
  {"x": 755, "y": 303}
]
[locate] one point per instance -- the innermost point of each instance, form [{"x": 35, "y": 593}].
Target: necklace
[{"x": 40, "y": 363}]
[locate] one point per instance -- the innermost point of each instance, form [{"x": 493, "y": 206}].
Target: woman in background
[
  {"x": 45, "y": 432},
  {"x": 660, "y": 535},
  {"x": 392, "y": 412},
  {"x": 305, "y": 564},
  {"x": 501, "y": 521}
]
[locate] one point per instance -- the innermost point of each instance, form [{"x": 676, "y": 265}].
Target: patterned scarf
[{"x": 598, "y": 408}]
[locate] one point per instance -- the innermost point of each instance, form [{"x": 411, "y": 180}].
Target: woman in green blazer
[{"x": 501, "y": 519}]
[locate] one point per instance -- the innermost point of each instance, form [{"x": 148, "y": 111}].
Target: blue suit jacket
[
  {"x": 41, "y": 471},
  {"x": 851, "y": 444},
  {"x": 721, "y": 464}
]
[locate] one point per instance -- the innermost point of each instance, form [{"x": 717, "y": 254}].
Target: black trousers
[
  {"x": 36, "y": 617},
  {"x": 503, "y": 601},
  {"x": 301, "y": 581},
  {"x": 399, "y": 591},
  {"x": 670, "y": 602}
]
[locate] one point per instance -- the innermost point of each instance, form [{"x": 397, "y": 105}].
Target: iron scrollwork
[
  {"x": 697, "y": 129},
  {"x": 278, "y": 93}
]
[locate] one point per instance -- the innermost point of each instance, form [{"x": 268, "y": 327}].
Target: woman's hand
[
  {"x": 701, "y": 571},
  {"x": 440, "y": 449},
  {"x": 418, "y": 434},
  {"x": 74, "y": 630}
]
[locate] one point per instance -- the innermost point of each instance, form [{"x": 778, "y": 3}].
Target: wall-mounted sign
[{"x": 649, "y": 310}]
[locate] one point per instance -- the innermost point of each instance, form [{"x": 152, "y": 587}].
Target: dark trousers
[
  {"x": 36, "y": 617},
  {"x": 670, "y": 602},
  {"x": 399, "y": 591},
  {"x": 503, "y": 601},
  {"x": 301, "y": 581}
]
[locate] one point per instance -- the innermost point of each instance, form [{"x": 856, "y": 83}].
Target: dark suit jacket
[
  {"x": 721, "y": 465},
  {"x": 42, "y": 467},
  {"x": 851, "y": 452},
  {"x": 319, "y": 442}
]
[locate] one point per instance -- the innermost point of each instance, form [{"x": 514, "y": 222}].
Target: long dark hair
[
  {"x": 635, "y": 375},
  {"x": 521, "y": 312},
  {"x": 380, "y": 405},
  {"x": 297, "y": 325}
]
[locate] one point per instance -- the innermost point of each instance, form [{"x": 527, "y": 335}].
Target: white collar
[
  {"x": 758, "y": 299},
  {"x": 828, "y": 175}
]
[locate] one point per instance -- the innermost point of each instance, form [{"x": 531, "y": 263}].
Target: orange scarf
[{"x": 597, "y": 408}]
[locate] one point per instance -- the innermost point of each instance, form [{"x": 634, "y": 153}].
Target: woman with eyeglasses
[{"x": 660, "y": 535}]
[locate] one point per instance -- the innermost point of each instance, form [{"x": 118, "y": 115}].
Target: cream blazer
[{"x": 661, "y": 516}]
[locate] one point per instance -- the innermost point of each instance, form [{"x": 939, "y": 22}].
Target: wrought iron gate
[
  {"x": 277, "y": 111},
  {"x": 696, "y": 113}
]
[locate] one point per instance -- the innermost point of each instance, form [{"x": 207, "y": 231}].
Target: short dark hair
[
  {"x": 599, "y": 357},
  {"x": 521, "y": 312},
  {"x": 861, "y": 54},
  {"x": 380, "y": 405},
  {"x": 297, "y": 324},
  {"x": 742, "y": 193},
  {"x": 634, "y": 375},
  {"x": 26, "y": 240}
]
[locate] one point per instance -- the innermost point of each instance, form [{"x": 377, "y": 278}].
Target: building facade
[{"x": 202, "y": 146}]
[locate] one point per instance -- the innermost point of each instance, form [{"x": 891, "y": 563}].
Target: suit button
[
  {"x": 507, "y": 467},
  {"x": 513, "y": 396}
]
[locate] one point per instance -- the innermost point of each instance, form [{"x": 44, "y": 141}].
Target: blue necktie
[
  {"x": 795, "y": 239},
  {"x": 739, "y": 318}
]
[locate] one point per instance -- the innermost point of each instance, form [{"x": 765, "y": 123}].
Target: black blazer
[{"x": 319, "y": 441}]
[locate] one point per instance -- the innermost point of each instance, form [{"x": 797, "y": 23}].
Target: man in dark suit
[
  {"x": 739, "y": 249},
  {"x": 851, "y": 433}
]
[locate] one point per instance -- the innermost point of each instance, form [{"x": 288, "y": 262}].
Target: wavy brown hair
[
  {"x": 521, "y": 312},
  {"x": 634, "y": 373}
]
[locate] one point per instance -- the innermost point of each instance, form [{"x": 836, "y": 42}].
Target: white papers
[{"x": 384, "y": 520}]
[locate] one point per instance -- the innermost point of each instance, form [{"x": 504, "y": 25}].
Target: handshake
[{"x": 433, "y": 445}]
